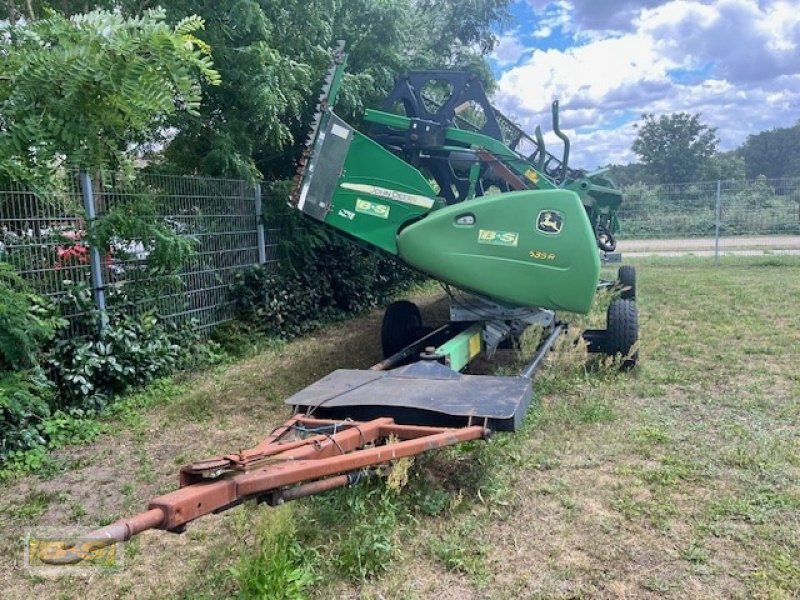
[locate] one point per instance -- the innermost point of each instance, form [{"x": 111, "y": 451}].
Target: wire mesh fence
[
  {"x": 720, "y": 219},
  {"x": 38, "y": 236},
  {"x": 46, "y": 239}
]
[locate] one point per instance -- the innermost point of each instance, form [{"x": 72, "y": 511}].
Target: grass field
[{"x": 679, "y": 480}]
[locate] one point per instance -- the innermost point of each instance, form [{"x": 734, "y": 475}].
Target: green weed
[
  {"x": 279, "y": 568},
  {"x": 461, "y": 555},
  {"x": 33, "y": 507},
  {"x": 695, "y": 553},
  {"x": 367, "y": 543}
]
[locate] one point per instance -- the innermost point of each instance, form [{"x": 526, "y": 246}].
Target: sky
[{"x": 736, "y": 62}]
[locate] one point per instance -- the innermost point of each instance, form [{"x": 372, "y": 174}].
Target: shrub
[
  {"x": 26, "y": 322},
  {"x": 323, "y": 276},
  {"x": 48, "y": 407},
  {"x": 25, "y": 398},
  {"x": 132, "y": 351}
]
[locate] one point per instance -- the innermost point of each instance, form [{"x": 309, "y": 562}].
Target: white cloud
[
  {"x": 735, "y": 61},
  {"x": 746, "y": 42},
  {"x": 556, "y": 15},
  {"x": 508, "y": 49},
  {"x": 543, "y": 31},
  {"x": 583, "y": 75}
]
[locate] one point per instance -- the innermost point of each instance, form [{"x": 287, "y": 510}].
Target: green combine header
[{"x": 452, "y": 187}]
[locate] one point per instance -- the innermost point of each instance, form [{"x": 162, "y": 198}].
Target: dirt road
[{"x": 737, "y": 245}]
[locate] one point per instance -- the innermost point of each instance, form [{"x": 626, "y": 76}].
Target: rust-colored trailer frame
[{"x": 303, "y": 456}]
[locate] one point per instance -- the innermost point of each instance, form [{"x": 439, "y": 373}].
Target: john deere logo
[{"x": 550, "y": 221}]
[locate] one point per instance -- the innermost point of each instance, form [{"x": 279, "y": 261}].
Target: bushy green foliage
[
  {"x": 322, "y": 277},
  {"x": 46, "y": 407},
  {"x": 773, "y": 153},
  {"x": 723, "y": 166},
  {"x": 31, "y": 422},
  {"x": 272, "y": 55},
  {"x": 132, "y": 351},
  {"x": 26, "y": 322},
  {"x": 287, "y": 303},
  {"x": 85, "y": 90},
  {"x": 25, "y": 399}
]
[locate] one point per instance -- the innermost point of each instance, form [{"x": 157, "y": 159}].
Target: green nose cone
[{"x": 526, "y": 248}]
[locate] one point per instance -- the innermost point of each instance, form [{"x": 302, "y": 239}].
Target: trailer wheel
[
  {"x": 401, "y": 325},
  {"x": 626, "y": 278},
  {"x": 622, "y": 331}
]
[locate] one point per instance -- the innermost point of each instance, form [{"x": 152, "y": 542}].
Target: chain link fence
[
  {"x": 718, "y": 219},
  {"x": 45, "y": 239}
]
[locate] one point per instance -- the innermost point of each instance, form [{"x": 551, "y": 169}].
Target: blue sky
[{"x": 737, "y": 62}]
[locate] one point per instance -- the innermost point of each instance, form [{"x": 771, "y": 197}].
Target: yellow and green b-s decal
[
  {"x": 532, "y": 176},
  {"x": 498, "y": 238},
  {"x": 372, "y": 208}
]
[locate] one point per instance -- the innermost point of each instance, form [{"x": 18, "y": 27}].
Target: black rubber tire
[
  {"x": 622, "y": 331},
  {"x": 626, "y": 278},
  {"x": 401, "y": 325}
]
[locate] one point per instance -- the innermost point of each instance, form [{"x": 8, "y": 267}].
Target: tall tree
[
  {"x": 273, "y": 53},
  {"x": 270, "y": 53},
  {"x": 674, "y": 148},
  {"x": 85, "y": 91},
  {"x": 773, "y": 153},
  {"x": 723, "y": 166}
]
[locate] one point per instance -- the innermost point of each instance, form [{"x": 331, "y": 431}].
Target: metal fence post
[
  {"x": 98, "y": 289},
  {"x": 262, "y": 240},
  {"x": 717, "y": 219}
]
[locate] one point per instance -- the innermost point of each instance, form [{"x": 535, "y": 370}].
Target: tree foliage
[
  {"x": 725, "y": 166},
  {"x": 676, "y": 147},
  {"x": 774, "y": 153},
  {"x": 85, "y": 90},
  {"x": 272, "y": 54}
]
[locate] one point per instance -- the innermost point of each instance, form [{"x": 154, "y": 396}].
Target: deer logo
[{"x": 550, "y": 221}]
